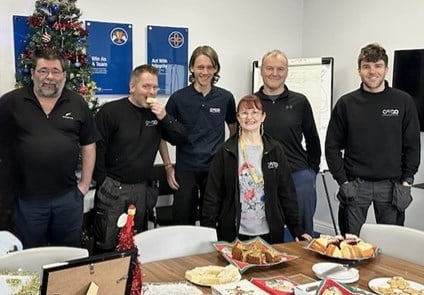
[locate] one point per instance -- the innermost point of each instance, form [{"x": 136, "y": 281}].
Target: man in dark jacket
[{"x": 377, "y": 127}]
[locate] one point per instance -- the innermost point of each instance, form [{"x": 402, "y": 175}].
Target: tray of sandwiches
[
  {"x": 251, "y": 253},
  {"x": 348, "y": 247}
]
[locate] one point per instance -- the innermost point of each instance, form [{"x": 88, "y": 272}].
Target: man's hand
[
  {"x": 83, "y": 188},
  {"x": 170, "y": 177},
  {"x": 158, "y": 109},
  {"x": 304, "y": 236}
]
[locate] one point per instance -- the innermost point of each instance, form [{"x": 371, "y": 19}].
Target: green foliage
[{"x": 55, "y": 23}]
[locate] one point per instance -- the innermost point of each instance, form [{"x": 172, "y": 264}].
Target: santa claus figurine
[{"x": 126, "y": 242}]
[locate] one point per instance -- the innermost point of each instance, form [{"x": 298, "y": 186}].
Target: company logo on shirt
[
  {"x": 68, "y": 116},
  {"x": 215, "y": 110},
  {"x": 390, "y": 113},
  {"x": 289, "y": 107},
  {"x": 272, "y": 165},
  {"x": 151, "y": 123}
]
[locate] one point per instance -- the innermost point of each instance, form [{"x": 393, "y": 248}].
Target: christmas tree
[{"x": 56, "y": 24}]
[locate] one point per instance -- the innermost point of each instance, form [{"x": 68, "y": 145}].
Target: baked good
[
  {"x": 333, "y": 251},
  {"x": 367, "y": 250},
  {"x": 272, "y": 256},
  {"x": 395, "y": 286},
  {"x": 350, "y": 246},
  {"x": 350, "y": 251},
  {"x": 319, "y": 244},
  {"x": 255, "y": 252},
  {"x": 237, "y": 251},
  {"x": 212, "y": 274},
  {"x": 150, "y": 100},
  {"x": 256, "y": 256}
]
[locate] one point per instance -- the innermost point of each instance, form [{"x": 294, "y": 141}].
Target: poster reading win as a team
[
  {"x": 167, "y": 49},
  {"x": 110, "y": 53}
]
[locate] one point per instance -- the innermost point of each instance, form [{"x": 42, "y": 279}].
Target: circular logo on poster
[
  {"x": 119, "y": 36},
  {"x": 176, "y": 39}
]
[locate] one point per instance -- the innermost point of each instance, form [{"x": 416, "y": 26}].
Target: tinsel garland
[{"x": 126, "y": 242}]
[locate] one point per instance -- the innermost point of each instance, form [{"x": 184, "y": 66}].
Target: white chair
[
  {"x": 9, "y": 242},
  {"x": 33, "y": 259},
  {"x": 174, "y": 241},
  {"x": 399, "y": 241}
]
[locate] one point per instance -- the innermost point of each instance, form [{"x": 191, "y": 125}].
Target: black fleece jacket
[{"x": 221, "y": 204}]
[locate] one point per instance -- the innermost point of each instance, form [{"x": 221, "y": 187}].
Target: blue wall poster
[
  {"x": 110, "y": 54},
  {"x": 167, "y": 49}
]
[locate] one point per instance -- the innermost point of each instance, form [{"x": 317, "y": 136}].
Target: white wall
[
  {"x": 240, "y": 30},
  {"x": 339, "y": 28}
]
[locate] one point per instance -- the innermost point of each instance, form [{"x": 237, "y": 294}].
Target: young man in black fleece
[{"x": 377, "y": 127}]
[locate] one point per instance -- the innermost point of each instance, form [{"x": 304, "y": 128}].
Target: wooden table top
[{"x": 173, "y": 270}]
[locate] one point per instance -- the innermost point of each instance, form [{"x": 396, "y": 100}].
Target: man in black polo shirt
[
  {"x": 132, "y": 129},
  {"x": 44, "y": 128},
  {"x": 203, "y": 109}
]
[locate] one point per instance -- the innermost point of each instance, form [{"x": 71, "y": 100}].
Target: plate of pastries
[
  {"x": 349, "y": 247},
  {"x": 395, "y": 286},
  {"x": 250, "y": 253},
  {"x": 213, "y": 275}
]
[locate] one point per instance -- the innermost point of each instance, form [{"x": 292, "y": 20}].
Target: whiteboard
[{"x": 313, "y": 77}]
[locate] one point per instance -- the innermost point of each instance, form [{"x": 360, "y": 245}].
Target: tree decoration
[
  {"x": 56, "y": 24},
  {"x": 46, "y": 37},
  {"x": 126, "y": 242}
]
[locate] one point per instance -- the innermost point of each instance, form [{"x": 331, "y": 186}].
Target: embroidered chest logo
[
  {"x": 390, "y": 113},
  {"x": 215, "y": 110},
  {"x": 289, "y": 107},
  {"x": 272, "y": 165},
  {"x": 68, "y": 116},
  {"x": 151, "y": 123}
]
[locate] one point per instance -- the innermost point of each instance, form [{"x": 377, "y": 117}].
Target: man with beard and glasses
[
  {"x": 373, "y": 146},
  {"x": 44, "y": 130}
]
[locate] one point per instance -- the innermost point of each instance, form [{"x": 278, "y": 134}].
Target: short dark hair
[
  {"x": 213, "y": 56},
  {"x": 136, "y": 73},
  {"x": 47, "y": 53},
  {"x": 250, "y": 101},
  {"x": 372, "y": 53}
]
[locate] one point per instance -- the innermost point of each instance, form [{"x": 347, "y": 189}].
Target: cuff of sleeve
[
  {"x": 167, "y": 120},
  {"x": 408, "y": 179}
]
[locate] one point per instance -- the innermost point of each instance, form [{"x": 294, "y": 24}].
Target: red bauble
[
  {"x": 83, "y": 90},
  {"x": 35, "y": 21}
]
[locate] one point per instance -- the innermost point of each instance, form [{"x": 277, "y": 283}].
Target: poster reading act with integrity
[{"x": 168, "y": 50}]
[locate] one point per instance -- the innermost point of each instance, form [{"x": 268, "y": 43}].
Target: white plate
[
  {"x": 236, "y": 279},
  {"x": 383, "y": 282},
  {"x": 6, "y": 287},
  {"x": 350, "y": 275},
  {"x": 182, "y": 288}
]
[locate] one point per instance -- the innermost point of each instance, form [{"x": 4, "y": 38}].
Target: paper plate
[
  {"x": 167, "y": 288},
  {"x": 350, "y": 275}
]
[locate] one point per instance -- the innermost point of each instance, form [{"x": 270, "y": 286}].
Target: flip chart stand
[{"x": 329, "y": 202}]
